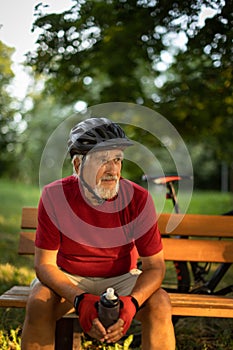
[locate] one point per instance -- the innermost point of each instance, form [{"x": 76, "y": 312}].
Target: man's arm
[
  {"x": 49, "y": 274},
  {"x": 150, "y": 280}
]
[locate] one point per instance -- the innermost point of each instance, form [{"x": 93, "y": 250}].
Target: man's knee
[
  {"x": 44, "y": 304},
  {"x": 160, "y": 301},
  {"x": 157, "y": 306},
  {"x": 41, "y": 305}
]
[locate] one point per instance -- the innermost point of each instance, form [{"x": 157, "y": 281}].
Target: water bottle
[{"x": 108, "y": 308}]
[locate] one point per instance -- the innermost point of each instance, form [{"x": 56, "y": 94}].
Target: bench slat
[
  {"x": 198, "y": 250},
  {"x": 201, "y": 305},
  {"x": 26, "y": 243},
  {"x": 29, "y": 218},
  {"x": 15, "y": 297},
  {"x": 197, "y": 225}
]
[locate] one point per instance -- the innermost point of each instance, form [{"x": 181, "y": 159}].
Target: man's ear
[{"x": 76, "y": 163}]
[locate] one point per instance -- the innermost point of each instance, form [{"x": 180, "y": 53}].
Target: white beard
[{"x": 106, "y": 193}]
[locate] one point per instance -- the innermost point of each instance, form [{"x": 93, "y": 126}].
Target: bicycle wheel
[{"x": 183, "y": 276}]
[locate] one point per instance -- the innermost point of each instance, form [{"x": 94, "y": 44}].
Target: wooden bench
[
  {"x": 200, "y": 243},
  {"x": 203, "y": 245}
]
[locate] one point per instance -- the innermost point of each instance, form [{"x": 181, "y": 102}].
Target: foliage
[
  {"x": 8, "y": 128},
  {"x": 94, "y": 345},
  {"x": 10, "y": 341},
  {"x": 199, "y": 91},
  {"x": 102, "y": 51},
  {"x": 42, "y": 120}
]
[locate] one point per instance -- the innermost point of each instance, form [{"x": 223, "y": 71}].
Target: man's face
[{"x": 102, "y": 171}]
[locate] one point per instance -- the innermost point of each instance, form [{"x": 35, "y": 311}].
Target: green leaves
[{"x": 107, "y": 51}]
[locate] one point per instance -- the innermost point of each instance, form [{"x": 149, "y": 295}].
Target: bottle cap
[{"x": 110, "y": 295}]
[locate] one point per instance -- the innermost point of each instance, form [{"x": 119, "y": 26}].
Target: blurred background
[{"x": 174, "y": 57}]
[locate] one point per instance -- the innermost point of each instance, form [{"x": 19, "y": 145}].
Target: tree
[
  {"x": 200, "y": 92},
  {"x": 42, "y": 119},
  {"x": 7, "y": 125},
  {"x": 107, "y": 51},
  {"x": 104, "y": 51}
]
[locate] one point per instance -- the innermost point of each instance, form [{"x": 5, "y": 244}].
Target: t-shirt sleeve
[
  {"x": 150, "y": 243},
  {"x": 47, "y": 233},
  {"x": 148, "y": 240}
]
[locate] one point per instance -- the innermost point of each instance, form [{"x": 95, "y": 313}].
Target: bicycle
[
  {"x": 186, "y": 272},
  {"x": 197, "y": 272}
]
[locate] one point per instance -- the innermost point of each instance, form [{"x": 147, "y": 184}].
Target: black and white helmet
[{"x": 96, "y": 134}]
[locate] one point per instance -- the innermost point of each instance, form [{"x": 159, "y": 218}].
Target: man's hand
[
  {"x": 111, "y": 335},
  {"x": 114, "y": 332},
  {"x": 97, "y": 330},
  {"x": 86, "y": 308},
  {"x": 129, "y": 307}
]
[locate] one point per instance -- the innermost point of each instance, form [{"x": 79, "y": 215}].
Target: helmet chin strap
[{"x": 88, "y": 187}]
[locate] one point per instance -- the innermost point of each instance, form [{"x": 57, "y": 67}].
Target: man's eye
[{"x": 117, "y": 160}]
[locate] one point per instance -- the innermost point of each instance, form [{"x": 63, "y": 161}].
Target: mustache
[{"x": 109, "y": 177}]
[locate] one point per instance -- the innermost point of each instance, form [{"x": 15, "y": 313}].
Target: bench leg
[
  {"x": 77, "y": 332},
  {"x": 68, "y": 334}
]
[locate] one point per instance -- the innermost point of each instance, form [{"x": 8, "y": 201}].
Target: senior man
[{"x": 92, "y": 228}]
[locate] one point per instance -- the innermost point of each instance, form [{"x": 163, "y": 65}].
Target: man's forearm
[
  {"x": 147, "y": 283},
  {"x": 55, "y": 279}
]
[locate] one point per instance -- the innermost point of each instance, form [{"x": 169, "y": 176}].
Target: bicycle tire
[{"x": 183, "y": 276}]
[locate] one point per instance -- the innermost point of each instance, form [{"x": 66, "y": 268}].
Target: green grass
[
  {"x": 14, "y": 269},
  {"x": 202, "y": 202},
  {"x": 197, "y": 333},
  {"x": 191, "y": 333},
  {"x": 14, "y": 196}
]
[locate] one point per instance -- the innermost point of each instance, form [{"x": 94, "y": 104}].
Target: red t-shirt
[{"x": 97, "y": 241}]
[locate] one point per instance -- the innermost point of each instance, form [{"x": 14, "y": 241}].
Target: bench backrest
[{"x": 203, "y": 243}]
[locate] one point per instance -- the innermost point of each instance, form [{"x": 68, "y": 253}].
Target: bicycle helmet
[{"x": 95, "y": 134}]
